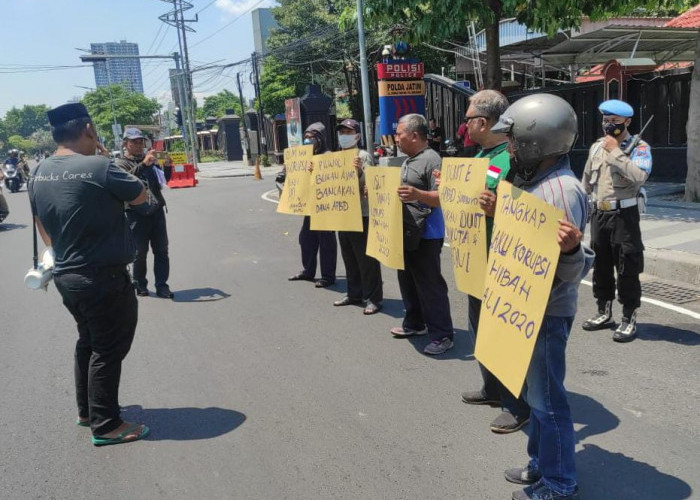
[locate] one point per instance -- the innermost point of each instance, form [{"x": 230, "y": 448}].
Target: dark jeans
[
  {"x": 551, "y": 433},
  {"x": 493, "y": 388},
  {"x": 313, "y": 241},
  {"x": 104, "y": 305},
  {"x": 364, "y": 273},
  {"x": 616, "y": 240},
  {"x": 424, "y": 291},
  {"x": 150, "y": 229}
]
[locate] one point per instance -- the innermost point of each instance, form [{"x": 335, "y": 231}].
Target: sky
[{"x": 48, "y": 32}]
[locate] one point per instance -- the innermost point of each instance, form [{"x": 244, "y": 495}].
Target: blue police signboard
[{"x": 391, "y": 108}]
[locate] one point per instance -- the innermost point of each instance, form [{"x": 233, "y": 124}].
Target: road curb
[{"x": 672, "y": 265}]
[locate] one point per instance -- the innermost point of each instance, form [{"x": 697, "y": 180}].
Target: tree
[
  {"x": 692, "y": 182},
  {"x": 445, "y": 19},
  {"x": 216, "y": 105},
  {"x": 130, "y": 108},
  {"x": 43, "y": 141},
  {"x": 26, "y": 120},
  {"x": 19, "y": 142}
]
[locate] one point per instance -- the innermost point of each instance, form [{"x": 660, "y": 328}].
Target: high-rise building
[
  {"x": 126, "y": 72},
  {"x": 263, "y": 22}
]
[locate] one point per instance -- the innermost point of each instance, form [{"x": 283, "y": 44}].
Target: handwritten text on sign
[
  {"x": 522, "y": 262},
  {"x": 385, "y": 238},
  {"x": 462, "y": 180},
  {"x": 294, "y": 199},
  {"x": 335, "y": 190}
]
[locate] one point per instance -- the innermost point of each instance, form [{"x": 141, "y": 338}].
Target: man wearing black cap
[
  {"x": 78, "y": 201},
  {"x": 613, "y": 177},
  {"x": 364, "y": 274},
  {"x": 149, "y": 228}
]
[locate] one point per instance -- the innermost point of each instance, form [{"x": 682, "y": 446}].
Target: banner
[
  {"x": 294, "y": 199},
  {"x": 385, "y": 238},
  {"x": 292, "y": 115},
  {"x": 398, "y": 70},
  {"x": 335, "y": 193},
  {"x": 522, "y": 261},
  {"x": 178, "y": 158},
  {"x": 461, "y": 183}
]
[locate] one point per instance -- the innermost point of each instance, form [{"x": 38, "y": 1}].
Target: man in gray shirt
[
  {"x": 423, "y": 289},
  {"x": 77, "y": 199}
]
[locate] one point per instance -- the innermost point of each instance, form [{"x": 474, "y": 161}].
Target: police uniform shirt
[
  {"x": 614, "y": 175},
  {"x": 80, "y": 202}
]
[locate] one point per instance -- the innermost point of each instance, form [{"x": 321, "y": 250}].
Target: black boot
[
  {"x": 602, "y": 320},
  {"x": 627, "y": 331}
]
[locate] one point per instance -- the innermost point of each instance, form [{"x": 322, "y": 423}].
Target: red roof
[{"x": 689, "y": 19}]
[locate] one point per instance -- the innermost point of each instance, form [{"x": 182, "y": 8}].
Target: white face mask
[{"x": 347, "y": 141}]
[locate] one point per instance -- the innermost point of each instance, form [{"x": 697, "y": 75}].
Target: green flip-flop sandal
[{"x": 121, "y": 438}]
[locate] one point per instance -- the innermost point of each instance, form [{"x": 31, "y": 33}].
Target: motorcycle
[
  {"x": 13, "y": 176},
  {"x": 448, "y": 149}
]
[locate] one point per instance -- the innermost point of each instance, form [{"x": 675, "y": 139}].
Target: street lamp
[
  {"x": 115, "y": 125},
  {"x": 191, "y": 128}
]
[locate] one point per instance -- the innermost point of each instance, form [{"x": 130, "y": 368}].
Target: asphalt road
[{"x": 257, "y": 388}]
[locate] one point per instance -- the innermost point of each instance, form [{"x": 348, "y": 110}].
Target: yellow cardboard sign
[
  {"x": 462, "y": 180},
  {"x": 385, "y": 238},
  {"x": 522, "y": 261},
  {"x": 178, "y": 158},
  {"x": 389, "y": 88},
  {"x": 335, "y": 193},
  {"x": 294, "y": 199}
]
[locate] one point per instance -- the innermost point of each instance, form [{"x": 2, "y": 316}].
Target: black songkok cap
[{"x": 71, "y": 111}]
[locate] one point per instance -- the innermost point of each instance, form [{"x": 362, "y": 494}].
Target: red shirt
[{"x": 464, "y": 134}]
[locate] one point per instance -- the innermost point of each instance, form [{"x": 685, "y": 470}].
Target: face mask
[
  {"x": 308, "y": 141},
  {"x": 614, "y": 129},
  {"x": 347, "y": 141}
]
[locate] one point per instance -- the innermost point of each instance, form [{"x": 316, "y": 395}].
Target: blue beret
[
  {"x": 67, "y": 112},
  {"x": 616, "y": 107}
]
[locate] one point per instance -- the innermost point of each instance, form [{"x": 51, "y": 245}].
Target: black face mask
[
  {"x": 524, "y": 170},
  {"x": 614, "y": 129}
]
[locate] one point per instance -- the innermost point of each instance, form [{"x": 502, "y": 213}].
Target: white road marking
[
  {"x": 670, "y": 307},
  {"x": 266, "y": 196}
]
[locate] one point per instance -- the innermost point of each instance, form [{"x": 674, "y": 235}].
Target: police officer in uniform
[
  {"x": 78, "y": 199},
  {"x": 150, "y": 228},
  {"x": 613, "y": 177}
]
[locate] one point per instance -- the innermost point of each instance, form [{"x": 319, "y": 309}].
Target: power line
[{"x": 228, "y": 24}]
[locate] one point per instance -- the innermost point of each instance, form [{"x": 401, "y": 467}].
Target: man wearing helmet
[
  {"x": 542, "y": 130},
  {"x": 613, "y": 177}
]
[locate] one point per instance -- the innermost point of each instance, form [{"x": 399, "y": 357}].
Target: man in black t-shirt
[
  {"x": 434, "y": 135},
  {"x": 78, "y": 202}
]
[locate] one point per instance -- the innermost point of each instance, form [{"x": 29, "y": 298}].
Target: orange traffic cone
[{"x": 258, "y": 175}]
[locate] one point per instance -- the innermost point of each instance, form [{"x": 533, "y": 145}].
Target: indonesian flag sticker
[{"x": 493, "y": 172}]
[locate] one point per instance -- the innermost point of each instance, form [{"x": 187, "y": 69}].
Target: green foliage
[
  {"x": 216, "y": 105},
  {"x": 19, "y": 142},
  {"x": 278, "y": 83},
  {"x": 26, "y": 120},
  {"x": 129, "y": 108},
  {"x": 342, "y": 110},
  {"x": 43, "y": 141},
  {"x": 177, "y": 145}
]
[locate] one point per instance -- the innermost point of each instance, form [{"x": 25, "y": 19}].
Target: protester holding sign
[
  {"x": 485, "y": 107},
  {"x": 542, "y": 129},
  {"x": 313, "y": 241},
  {"x": 423, "y": 289},
  {"x": 364, "y": 274}
]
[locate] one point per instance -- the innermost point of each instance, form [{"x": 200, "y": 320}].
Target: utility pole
[
  {"x": 364, "y": 78},
  {"x": 262, "y": 140},
  {"x": 245, "y": 129},
  {"x": 177, "y": 19}
]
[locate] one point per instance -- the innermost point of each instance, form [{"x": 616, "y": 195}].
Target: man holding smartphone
[{"x": 151, "y": 228}]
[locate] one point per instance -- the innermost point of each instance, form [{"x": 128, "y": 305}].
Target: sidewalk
[
  {"x": 671, "y": 235},
  {"x": 670, "y": 228},
  {"x": 219, "y": 169}
]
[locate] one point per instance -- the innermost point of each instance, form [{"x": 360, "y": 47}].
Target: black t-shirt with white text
[{"x": 80, "y": 202}]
